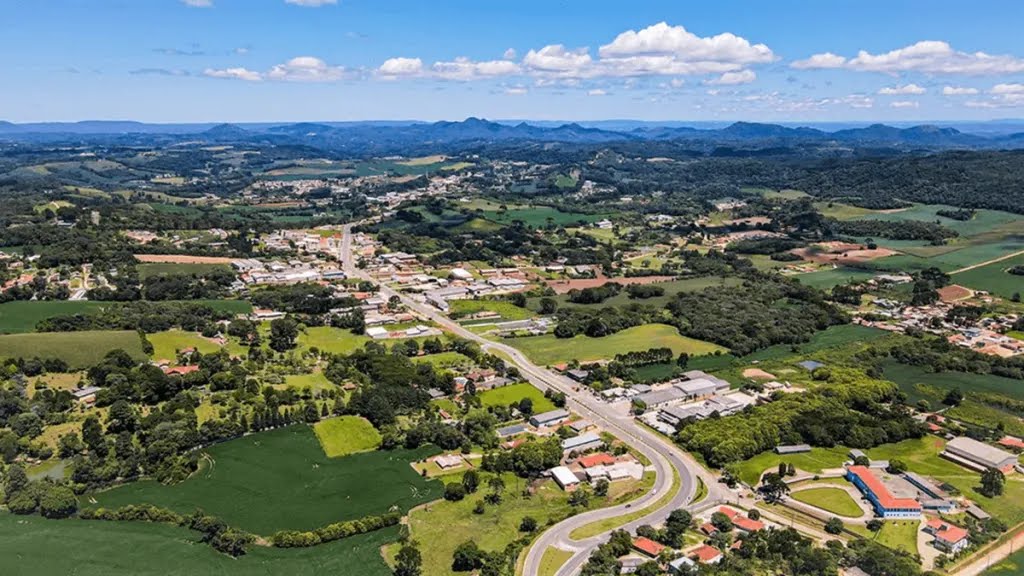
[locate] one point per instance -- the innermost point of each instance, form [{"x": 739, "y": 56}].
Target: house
[
  {"x": 948, "y": 537},
  {"x": 448, "y": 461},
  {"x": 792, "y": 449},
  {"x": 581, "y": 426},
  {"x": 707, "y": 555},
  {"x": 376, "y": 332},
  {"x": 599, "y": 459},
  {"x": 630, "y": 564},
  {"x": 978, "y": 455},
  {"x": 582, "y": 443},
  {"x": 647, "y": 546},
  {"x": 886, "y": 505},
  {"x": 708, "y": 528},
  {"x": 86, "y": 395},
  {"x": 741, "y": 522},
  {"x": 460, "y": 274},
  {"x": 1012, "y": 442},
  {"x": 551, "y": 418},
  {"x": 564, "y": 478},
  {"x": 181, "y": 370},
  {"x": 681, "y": 565},
  {"x": 512, "y": 430},
  {"x": 577, "y": 375},
  {"x": 435, "y": 394}
]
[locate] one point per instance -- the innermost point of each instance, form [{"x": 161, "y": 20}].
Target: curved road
[{"x": 665, "y": 458}]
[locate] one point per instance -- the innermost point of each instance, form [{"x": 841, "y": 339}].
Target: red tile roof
[
  {"x": 706, "y": 553},
  {"x": 946, "y": 532},
  {"x": 1012, "y": 442},
  {"x": 648, "y": 546},
  {"x": 708, "y": 528},
  {"x": 885, "y": 498},
  {"x": 180, "y": 370},
  {"x": 599, "y": 459},
  {"x": 740, "y": 521}
]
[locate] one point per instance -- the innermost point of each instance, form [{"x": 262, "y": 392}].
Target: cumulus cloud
[
  {"x": 902, "y": 90},
  {"x": 198, "y": 3},
  {"x": 394, "y": 67},
  {"x": 234, "y": 74},
  {"x": 903, "y": 104},
  {"x": 509, "y": 54},
  {"x": 1007, "y": 89},
  {"x": 465, "y": 69},
  {"x": 596, "y": 92},
  {"x": 928, "y": 56},
  {"x": 958, "y": 91},
  {"x": 557, "y": 59},
  {"x": 300, "y": 69},
  {"x": 676, "y": 41},
  {"x": 734, "y": 78},
  {"x": 311, "y": 3}
]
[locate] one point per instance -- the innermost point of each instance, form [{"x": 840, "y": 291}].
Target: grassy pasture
[
  {"x": 538, "y": 216},
  {"x": 23, "y": 315},
  {"x": 908, "y": 377},
  {"x": 281, "y": 480},
  {"x": 506, "y": 395},
  {"x": 505, "y": 309},
  {"x": 79, "y": 349},
  {"x": 159, "y": 268},
  {"x": 815, "y": 461},
  {"x": 167, "y": 343},
  {"x": 994, "y": 277},
  {"x": 672, "y": 288},
  {"x": 834, "y": 500},
  {"x": 346, "y": 435},
  {"x": 548, "y": 349},
  {"x": 30, "y": 546}
]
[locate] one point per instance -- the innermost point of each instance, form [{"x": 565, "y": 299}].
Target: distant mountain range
[{"x": 392, "y": 136}]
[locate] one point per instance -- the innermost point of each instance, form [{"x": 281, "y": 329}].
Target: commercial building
[
  {"x": 549, "y": 418},
  {"x": 886, "y": 505},
  {"x": 564, "y": 478},
  {"x": 978, "y": 455},
  {"x": 582, "y": 443}
]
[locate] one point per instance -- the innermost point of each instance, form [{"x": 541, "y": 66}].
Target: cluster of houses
[{"x": 255, "y": 272}]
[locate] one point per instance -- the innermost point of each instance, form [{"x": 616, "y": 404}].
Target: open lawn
[
  {"x": 79, "y": 349},
  {"x": 548, "y": 349},
  {"x": 441, "y": 526},
  {"x": 314, "y": 382},
  {"x": 444, "y": 359},
  {"x": 552, "y": 560},
  {"x": 23, "y": 315},
  {"x": 329, "y": 339},
  {"x": 899, "y": 535},
  {"x": 815, "y": 461},
  {"x": 908, "y": 377},
  {"x": 346, "y": 435},
  {"x": 31, "y": 546},
  {"x": 514, "y": 393},
  {"x": 835, "y": 500},
  {"x": 281, "y": 480},
  {"x": 167, "y": 344},
  {"x": 158, "y": 268}
]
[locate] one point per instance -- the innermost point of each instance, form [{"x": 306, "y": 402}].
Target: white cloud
[
  {"x": 306, "y": 69},
  {"x": 664, "y": 40},
  {"x": 516, "y": 90},
  {"x": 509, "y": 54},
  {"x": 596, "y": 92},
  {"x": 824, "y": 60},
  {"x": 198, "y": 3},
  {"x": 234, "y": 74},
  {"x": 733, "y": 78},
  {"x": 242, "y": 51},
  {"x": 393, "y": 67},
  {"x": 928, "y": 56},
  {"x": 1007, "y": 89},
  {"x": 311, "y": 3},
  {"x": 903, "y": 104},
  {"x": 958, "y": 91},
  {"x": 905, "y": 89},
  {"x": 465, "y": 69},
  {"x": 557, "y": 59}
]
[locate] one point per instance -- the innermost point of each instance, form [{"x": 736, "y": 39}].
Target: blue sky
[{"x": 307, "y": 60}]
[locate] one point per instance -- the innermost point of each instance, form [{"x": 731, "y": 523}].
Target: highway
[{"x": 666, "y": 459}]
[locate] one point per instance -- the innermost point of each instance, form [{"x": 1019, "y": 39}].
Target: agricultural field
[
  {"x": 826, "y": 279},
  {"x": 97, "y": 548},
  {"x": 539, "y": 216},
  {"x": 994, "y": 277},
  {"x": 831, "y": 337},
  {"x": 909, "y": 377},
  {"x": 79, "y": 349},
  {"x": 815, "y": 461},
  {"x": 160, "y": 268},
  {"x": 23, "y": 315},
  {"x": 346, "y": 435},
  {"x": 548, "y": 349},
  {"x": 506, "y": 395},
  {"x": 671, "y": 287},
  {"x": 281, "y": 480},
  {"x": 834, "y": 500}
]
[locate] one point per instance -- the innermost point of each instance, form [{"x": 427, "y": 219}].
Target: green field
[
  {"x": 346, "y": 435},
  {"x": 548, "y": 349},
  {"x": 157, "y": 268},
  {"x": 1011, "y": 566},
  {"x": 552, "y": 560},
  {"x": 671, "y": 289},
  {"x": 281, "y": 480},
  {"x": 506, "y": 395},
  {"x": 831, "y": 337},
  {"x": 538, "y": 216},
  {"x": 826, "y": 279},
  {"x": 23, "y": 315},
  {"x": 332, "y": 340},
  {"x": 835, "y": 500},
  {"x": 504, "y": 308},
  {"x": 444, "y": 359},
  {"x": 167, "y": 343},
  {"x": 31, "y": 546},
  {"x": 908, "y": 377},
  {"x": 655, "y": 372},
  {"x": 815, "y": 461},
  {"x": 79, "y": 349},
  {"x": 994, "y": 278},
  {"x": 314, "y": 381}
]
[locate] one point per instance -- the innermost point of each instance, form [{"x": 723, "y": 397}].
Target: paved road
[{"x": 665, "y": 458}]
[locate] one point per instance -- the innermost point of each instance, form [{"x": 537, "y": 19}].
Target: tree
[
  {"x": 677, "y": 524},
  {"x": 601, "y": 488},
  {"x": 773, "y": 487},
  {"x": 408, "y": 562},
  {"x": 834, "y": 525},
  {"x": 722, "y": 522},
  {"x": 471, "y": 481},
  {"x": 529, "y": 524},
  {"x": 526, "y": 407},
  {"x": 580, "y": 497},
  {"x": 548, "y": 306},
  {"x": 283, "y": 332},
  {"x": 897, "y": 466},
  {"x": 992, "y": 482},
  {"x": 874, "y": 525},
  {"x": 467, "y": 556},
  {"x": 454, "y": 492},
  {"x": 92, "y": 435},
  {"x": 954, "y": 397},
  {"x": 479, "y": 508},
  {"x": 16, "y": 481},
  {"x": 57, "y": 502}
]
